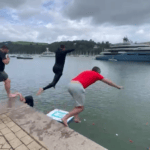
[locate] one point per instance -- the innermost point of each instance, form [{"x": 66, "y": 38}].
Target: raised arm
[{"x": 109, "y": 82}]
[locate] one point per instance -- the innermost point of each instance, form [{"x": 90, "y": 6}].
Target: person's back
[
  {"x": 86, "y": 78},
  {"x": 60, "y": 57}
]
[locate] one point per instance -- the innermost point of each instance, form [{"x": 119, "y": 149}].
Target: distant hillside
[
  {"x": 82, "y": 47},
  {"x": 28, "y": 43}
]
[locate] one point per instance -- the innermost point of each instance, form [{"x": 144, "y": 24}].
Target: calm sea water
[{"x": 123, "y": 112}]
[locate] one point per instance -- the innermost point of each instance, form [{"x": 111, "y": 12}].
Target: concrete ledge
[{"x": 47, "y": 132}]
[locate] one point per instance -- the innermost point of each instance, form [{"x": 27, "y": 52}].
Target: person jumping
[
  {"x": 77, "y": 88},
  {"x": 58, "y": 67}
]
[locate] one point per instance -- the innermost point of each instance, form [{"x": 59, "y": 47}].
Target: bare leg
[
  {"x": 76, "y": 116},
  {"x": 76, "y": 119},
  {"x": 7, "y": 86},
  {"x": 74, "y": 112}
]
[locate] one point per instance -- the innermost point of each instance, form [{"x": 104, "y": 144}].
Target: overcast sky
[{"x": 62, "y": 20}]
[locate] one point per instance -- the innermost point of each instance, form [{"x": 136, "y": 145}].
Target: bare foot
[
  {"x": 77, "y": 120},
  {"x": 12, "y": 95},
  {"x": 64, "y": 122},
  {"x": 40, "y": 91}
]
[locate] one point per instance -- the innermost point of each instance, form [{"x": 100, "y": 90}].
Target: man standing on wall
[{"x": 4, "y": 60}]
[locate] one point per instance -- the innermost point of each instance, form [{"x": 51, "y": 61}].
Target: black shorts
[{"x": 3, "y": 76}]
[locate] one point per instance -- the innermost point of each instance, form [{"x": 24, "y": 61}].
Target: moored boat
[
  {"x": 47, "y": 53},
  {"x": 126, "y": 51},
  {"x": 24, "y": 57}
]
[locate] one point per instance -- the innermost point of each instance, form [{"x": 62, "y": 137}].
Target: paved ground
[
  {"x": 12, "y": 137},
  {"x": 24, "y": 128}
]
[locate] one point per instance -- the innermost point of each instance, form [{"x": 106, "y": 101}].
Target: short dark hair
[
  {"x": 4, "y": 47},
  {"x": 62, "y": 46},
  {"x": 96, "y": 69}
]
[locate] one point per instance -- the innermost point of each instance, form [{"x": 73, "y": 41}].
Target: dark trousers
[{"x": 58, "y": 74}]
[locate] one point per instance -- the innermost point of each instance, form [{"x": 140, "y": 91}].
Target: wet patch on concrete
[{"x": 66, "y": 134}]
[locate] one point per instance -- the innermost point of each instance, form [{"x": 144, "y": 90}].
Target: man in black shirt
[
  {"x": 4, "y": 60},
  {"x": 58, "y": 67}
]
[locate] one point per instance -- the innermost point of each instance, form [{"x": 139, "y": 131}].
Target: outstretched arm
[
  {"x": 109, "y": 82},
  {"x": 21, "y": 97},
  {"x": 69, "y": 50}
]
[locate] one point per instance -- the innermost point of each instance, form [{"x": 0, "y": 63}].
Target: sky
[{"x": 49, "y": 21}]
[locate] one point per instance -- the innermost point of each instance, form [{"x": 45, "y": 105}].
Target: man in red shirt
[{"x": 77, "y": 88}]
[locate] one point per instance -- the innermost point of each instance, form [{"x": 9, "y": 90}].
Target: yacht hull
[{"x": 125, "y": 57}]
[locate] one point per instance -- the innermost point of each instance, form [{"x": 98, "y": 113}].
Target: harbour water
[{"x": 116, "y": 119}]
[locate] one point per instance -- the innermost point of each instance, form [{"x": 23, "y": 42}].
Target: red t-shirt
[{"x": 88, "y": 77}]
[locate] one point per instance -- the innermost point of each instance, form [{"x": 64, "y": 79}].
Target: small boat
[
  {"x": 47, "y": 53},
  {"x": 12, "y": 56},
  {"x": 24, "y": 57}
]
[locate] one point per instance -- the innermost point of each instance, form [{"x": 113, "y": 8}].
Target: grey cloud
[
  {"x": 28, "y": 13},
  {"x": 24, "y": 8},
  {"x": 110, "y": 11},
  {"x": 62, "y": 29},
  {"x": 11, "y": 3},
  {"x": 16, "y": 4},
  {"x": 55, "y": 33}
]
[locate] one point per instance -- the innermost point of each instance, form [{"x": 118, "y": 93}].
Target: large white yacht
[
  {"x": 47, "y": 53},
  {"x": 126, "y": 51}
]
